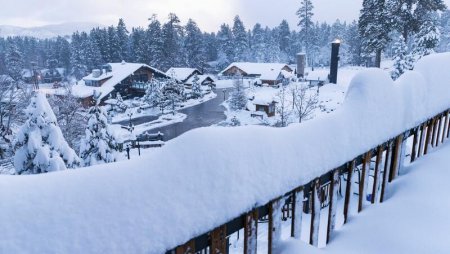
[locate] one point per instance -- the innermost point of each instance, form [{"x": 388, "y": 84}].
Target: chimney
[
  {"x": 96, "y": 73},
  {"x": 301, "y": 62},
  {"x": 334, "y": 63}
]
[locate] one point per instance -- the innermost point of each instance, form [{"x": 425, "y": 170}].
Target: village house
[
  {"x": 182, "y": 74},
  {"x": 268, "y": 73},
  {"x": 204, "y": 80},
  {"x": 128, "y": 79}
]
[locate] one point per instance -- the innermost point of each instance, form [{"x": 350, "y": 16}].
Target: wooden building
[
  {"x": 268, "y": 73},
  {"x": 182, "y": 74}
]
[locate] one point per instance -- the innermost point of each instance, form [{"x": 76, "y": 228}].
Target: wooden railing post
[
  {"x": 251, "y": 232},
  {"x": 387, "y": 166},
  {"x": 364, "y": 180},
  {"x": 377, "y": 174},
  {"x": 315, "y": 213},
  {"x": 448, "y": 125},
  {"x": 445, "y": 131},
  {"x": 333, "y": 204},
  {"x": 348, "y": 189},
  {"x": 401, "y": 160},
  {"x": 396, "y": 157},
  {"x": 414, "y": 147},
  {"x": 422, "y": 139},
  {"x": 428, "y": 138},
  {"x": 297, "y": 213},
  {"x": 274, "y": 225},
  {"x": 188, "y": 248},
  {"x": 439, "y": 124},
  {"x": 433, "y": 135},
  {"x": 219, "y": 240}
]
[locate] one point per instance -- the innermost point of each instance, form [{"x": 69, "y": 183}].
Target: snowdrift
[{"x": 211, "y": 175}]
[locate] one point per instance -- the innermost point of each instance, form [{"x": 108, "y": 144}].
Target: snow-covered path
[{"x": 414, "y": 219}]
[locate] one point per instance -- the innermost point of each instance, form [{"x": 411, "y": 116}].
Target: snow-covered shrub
[
  {"x": 238, "y": 98},
  {"x": 196, "y": 88},
  {"x": 99, "y": 144},
  {"x": 39, "y": 145}
]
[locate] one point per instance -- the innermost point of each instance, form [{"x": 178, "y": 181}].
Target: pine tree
[
  {"x": 284, "y": 38},
  {"x": 99, "y": 144},
  {"x": 240, "y": 40},
  {"x": 305, "y": 14},
  {"x": 14, "y": 61},
  {"x": 155, "y": 43},
  {"x": 193, "y": 45},
  {"x": 196, "y": 87},
  {"x": 171, "y": 42},
  {"x": 259, "y": 46},
  {"x": 153, "y": 93},
  {"x": 238, "y": 98},
  {"x": 122, "y": 39},
  {"x": 39, "y": 145},
  {"x": 138, "y": 46},
  {"x": 114, "y": 46},
  {"x": 374, "y": 28},
  {"x": 225, "y": 46},
  {"x": 428, "y": 36},
  {"x": 77, "y": 57},
  {"x": 173, "y": 95},
  {"x": 402, "y": 59}
]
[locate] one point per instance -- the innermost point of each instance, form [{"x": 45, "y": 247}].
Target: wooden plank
[
  {"x": 297, "y": 213},
  {"x": 219, "y": 240},
  {"x": 378, "y": 164},
  {"x": 274, "y": 229},
  {"x": 448, "y": 127},
  {"x": 445, "y": 131},
  {"x": 422, "y": 139},
  {"x": 428, "y": 138},
  {"x": 348, "y": 189},
  {"x": 333, "y": 204},
  {"x": 315, "y": 213},
  {"x": 433, "y": 135},
  {"x": 364, "y": 180},
  {"x": 414, "y": 147},
  {"x": 401, "y": 159},
  {"x": 251, "y": 232},
  {"x": 188, "y": 248},
  {"x": 395, "y": 157},
  {"x": 387, "y": 166},
  {"x": 439, "y": 124}
]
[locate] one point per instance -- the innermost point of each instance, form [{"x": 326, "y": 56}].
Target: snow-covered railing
[{"x": 199, "y": 188}]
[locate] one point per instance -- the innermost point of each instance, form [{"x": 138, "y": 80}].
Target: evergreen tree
[
  {"x": 238, "y": 99},
  {"x": 171, "y": 42},
  {"x": 99, "y": 144},
  {"x": 77, "y": 57},
  {"x": 259, "y": 46},
  {"x": 193, "y": 45},
  {"x": 305, "y": 14},
  {"x": 284, "y": 38},
  {"x": 39, "y": 145},
  {"x": 196, "y": 88},
  {"x": 402, "y": 59},
  {"x": 13, "y": 61},
  {"x": 114, "y": 46},
  {"x": 225, "y": 46},
  {"x": 240, "y": 40},
  {"x": 122, "y": 40},
  {"x": 353, "y": 40},
  {"x": 428, "y": 36},
  {"x": 155, "y": 43},
  {"x": 138, "y": 46},
  {"x": 153, "y": 93},
  {"x": 374, "y": 28},
  {"x": 173, "y": 95}
]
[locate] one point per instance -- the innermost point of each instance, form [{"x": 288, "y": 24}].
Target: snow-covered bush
[
  {"x": 196, "y": 88},
  {"x": 39, "y": 145},
  {"x": 99, "y": 145},
  {"x": 153, "y": 93},
  {"x": 238, "y": 98}
]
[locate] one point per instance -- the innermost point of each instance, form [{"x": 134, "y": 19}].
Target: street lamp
[{"x": 334, "y": 60}]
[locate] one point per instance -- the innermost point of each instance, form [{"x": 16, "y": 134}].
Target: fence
[{"x": 384, "y": 161}]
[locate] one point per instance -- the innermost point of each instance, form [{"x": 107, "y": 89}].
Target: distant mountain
[{"x": 49, "y": 31}]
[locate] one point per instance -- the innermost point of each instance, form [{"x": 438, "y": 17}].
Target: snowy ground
[{"x": 414, "y": 219}]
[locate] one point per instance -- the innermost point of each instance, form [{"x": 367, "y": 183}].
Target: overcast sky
[{"x": 209, "y": 14}]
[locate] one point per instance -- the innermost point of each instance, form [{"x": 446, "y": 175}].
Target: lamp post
[{"x": 334, "y": 60}]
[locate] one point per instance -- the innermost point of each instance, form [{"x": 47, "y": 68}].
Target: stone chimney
[{"x": 301, "y": 64}]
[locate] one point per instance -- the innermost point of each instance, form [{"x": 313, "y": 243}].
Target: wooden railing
[{"x": 384, "y": 161}]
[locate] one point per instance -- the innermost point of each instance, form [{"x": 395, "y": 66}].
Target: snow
[
  {"x": 181, "y": 74},
  {"x": 414, "y": 219},
  {"x": 265, "y": 71},
  {"x": 120, "y": 71},
  {"x": 172, "y": 194}
]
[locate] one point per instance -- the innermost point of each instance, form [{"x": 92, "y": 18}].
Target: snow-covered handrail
[{"x": 204, "y": 183}]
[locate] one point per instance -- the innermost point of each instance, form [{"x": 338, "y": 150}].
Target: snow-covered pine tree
[
  {"x": 122, "y": 36},
  {"x": 225, "y": 46},
  {"x": 240, "y": 40},
  {"x": 305, "y": 14},
  {"x": 258, "y": 44},
  {"x": 153, "y": 93},
  {"x": 173, "y": 95},
  {"x": 114, "y": 48},
  {"x": 194, "y": 46},
  {"x": 196, "y": 87},
  {"x": 238, "y": 98},
  {"x": 428, "y": 36},
  {"x": 374, "y": 28},
  {"x": 402, "y": 59},
  {"x": 155, "y": 42},
  {"x": 39, "y": 144},
  {"x": 121, "y": 106},
  {"x": 99, "y": 144},
  {"x": 14, "y": 61},
  {"x": 171, "y": 42}
]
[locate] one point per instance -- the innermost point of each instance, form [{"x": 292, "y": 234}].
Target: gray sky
[{"x": 209, "y": 14}]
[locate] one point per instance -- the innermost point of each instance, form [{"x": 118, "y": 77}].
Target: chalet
[
  {"x": 182, "y": 74},
  {"x": 268, "y": 73},
  {"x": 128, "y": 79},
  {"x": 204, "y": 80},
  {"x": 52, "y": 75}
]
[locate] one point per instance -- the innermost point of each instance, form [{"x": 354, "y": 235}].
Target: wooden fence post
[
  {"x": 297, "y": 213},
  {"x": 439, "y": 124},
  {"x": 387, "y": 165},
  {"x": 219, "y": 240},
  {"x": 414, "y": 147},
  {"x": 433, "y": 135},
  {"x": 422, "y": 139},
  {"x": 333, "y": 203},
  {"x": 251, "y": 232},
  {"x": 395, "y": 157},
  {"x": 188, "y": 248},
  {"x": 448, "y": 126},
  {"x": 377, "y": 174},
  {"x": 428, "y": 139},
  {"x": 348, "y": 189},
  {"x": 364, "y": 180},
  {"x": 401, "y": 160},
  {"x": 445, "y": 131},
  {"x": 274, "y": 229},
  {"x": 315, "y": 213}
]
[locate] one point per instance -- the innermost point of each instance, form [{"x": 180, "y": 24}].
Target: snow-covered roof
[
  {"x": 201, "y": 79},
  {"x": 119, "y": 72},
  {"x": 265, "y": 71},
  {"x": 60, "y": 71},
  {"x": 265, "y": 96},
  {"x": 181, "y": 74}
]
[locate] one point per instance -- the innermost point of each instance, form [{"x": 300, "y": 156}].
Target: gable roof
[
  {"x": 201, "y": 79},
  {"x": 266, "y": 71},
  {"x": 181, "y": 74},
  {"x": 119, "y": 72}
]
